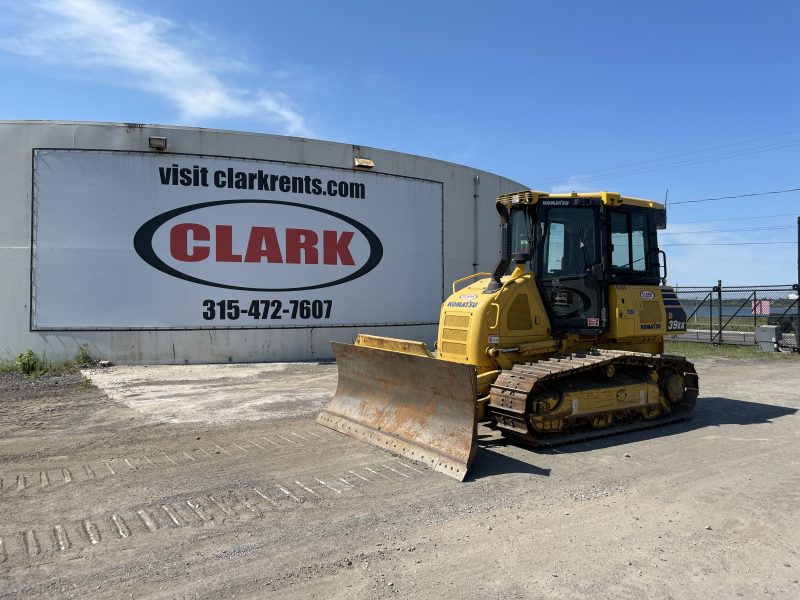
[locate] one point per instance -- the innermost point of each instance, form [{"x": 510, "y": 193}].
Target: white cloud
[{"x": 147, "y": 52}]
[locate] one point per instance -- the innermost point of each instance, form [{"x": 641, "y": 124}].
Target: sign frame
[{"x": 267, "y": 325}]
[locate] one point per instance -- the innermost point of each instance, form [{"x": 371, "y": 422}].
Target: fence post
[
  {"x": 719, "y": 309},
  {"x": 711, "y": 316},
  {"x": 756, "y": 310}
]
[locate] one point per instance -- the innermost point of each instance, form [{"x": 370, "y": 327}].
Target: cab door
[{"x": 569, "y": 267}]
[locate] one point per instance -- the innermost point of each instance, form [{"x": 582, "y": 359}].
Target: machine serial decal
[{"x": 676, "y": 325}]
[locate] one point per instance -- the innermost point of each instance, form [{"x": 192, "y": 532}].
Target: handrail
[
  {"x": 468, "y": 277},
  {"x": 497, "y": 315}
]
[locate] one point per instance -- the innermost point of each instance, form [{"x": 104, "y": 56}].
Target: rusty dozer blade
[{"x": 414, "y": 406}]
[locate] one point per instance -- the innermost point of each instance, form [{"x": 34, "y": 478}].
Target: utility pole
[{"x": 797, "y": 293}]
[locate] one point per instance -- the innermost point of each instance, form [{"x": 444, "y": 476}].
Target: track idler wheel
[{"x": 673, "y": 385}]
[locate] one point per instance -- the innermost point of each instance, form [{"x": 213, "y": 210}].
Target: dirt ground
[{"x": 216, "y": 482}]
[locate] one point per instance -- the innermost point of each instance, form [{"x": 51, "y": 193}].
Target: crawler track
[{"x": 513, "y": 397}]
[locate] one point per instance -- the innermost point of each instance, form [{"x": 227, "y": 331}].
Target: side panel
[
  {"x": 473, "y": 321},
  {"x": 636, "y": 312}
]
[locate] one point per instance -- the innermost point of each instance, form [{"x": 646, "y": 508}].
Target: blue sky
[{"x": 701, "y": 98}]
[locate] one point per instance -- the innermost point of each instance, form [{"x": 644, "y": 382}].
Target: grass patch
[
  {"x": 704, "y": 350},
  {"x": 8, "y": 366},
  {"x": 32, "y": 365}
]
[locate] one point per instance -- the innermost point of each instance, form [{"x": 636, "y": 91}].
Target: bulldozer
[{"x": 562, "y": 342}]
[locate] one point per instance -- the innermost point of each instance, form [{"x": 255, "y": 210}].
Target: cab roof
[{"x": 604, "y": 198}]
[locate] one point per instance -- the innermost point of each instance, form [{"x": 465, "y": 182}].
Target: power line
[
  {"x": 734, "y": 219},
  {"x": 756, "y": 150},
  {"x": 728, "y": 230},
  {"x": 597, "y": 172},
  {"x": 652, "y": 160},
  {"x": 738, "y": 196},
  {"x": 729, "y": 244}
]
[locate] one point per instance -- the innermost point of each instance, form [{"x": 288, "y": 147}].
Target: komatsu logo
[{"x": 258, "y": 245}]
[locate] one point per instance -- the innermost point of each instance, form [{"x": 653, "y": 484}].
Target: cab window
[{"x": 629, "y": 241}]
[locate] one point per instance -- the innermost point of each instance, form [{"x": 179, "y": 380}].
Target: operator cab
[{"x": 578, "y": 245}]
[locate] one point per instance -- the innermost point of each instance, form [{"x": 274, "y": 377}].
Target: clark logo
[{"x": 258, "y": 245}]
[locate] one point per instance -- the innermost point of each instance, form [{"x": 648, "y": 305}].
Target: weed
[
  {"x": 82, "y": 357},
  {"x": 28, "y": 362},
  {"x": 57, "y": 369}
]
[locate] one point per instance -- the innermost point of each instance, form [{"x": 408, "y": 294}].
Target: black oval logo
[{"x": 143, "y": 244}]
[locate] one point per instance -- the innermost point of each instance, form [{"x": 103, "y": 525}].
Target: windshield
[{"x": 569, "y": 247}]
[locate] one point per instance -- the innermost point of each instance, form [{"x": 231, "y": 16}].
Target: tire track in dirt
[
  {"x": 51, "y": 537},
  {"x": 275, "y": 446}
]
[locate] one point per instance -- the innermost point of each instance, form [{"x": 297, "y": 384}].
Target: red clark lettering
[{"x": 192, "y": 242}]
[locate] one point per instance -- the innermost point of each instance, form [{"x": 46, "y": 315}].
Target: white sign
[{"x": 143, "y": 240}]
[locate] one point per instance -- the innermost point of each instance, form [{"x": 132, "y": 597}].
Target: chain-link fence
[{"x": 732, "y": 314}]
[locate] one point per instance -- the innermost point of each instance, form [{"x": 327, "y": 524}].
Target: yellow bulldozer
[{"x": 562, "y": 342}]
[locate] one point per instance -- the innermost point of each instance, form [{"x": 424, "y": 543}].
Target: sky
[{"x": 681, "y": 100}]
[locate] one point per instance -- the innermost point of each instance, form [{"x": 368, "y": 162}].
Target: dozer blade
[{"x": 414, "y": 406}]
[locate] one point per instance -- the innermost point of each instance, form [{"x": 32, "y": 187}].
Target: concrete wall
[{"x": 465, "y": 240}]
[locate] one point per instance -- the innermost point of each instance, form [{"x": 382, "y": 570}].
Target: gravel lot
[{"x": 216, "y": 482}]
